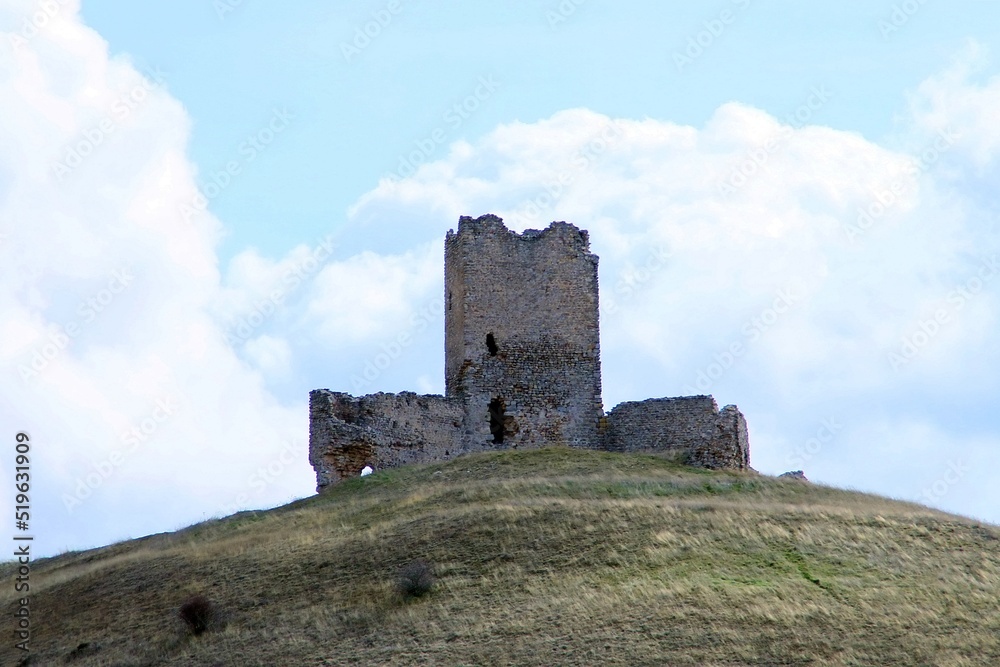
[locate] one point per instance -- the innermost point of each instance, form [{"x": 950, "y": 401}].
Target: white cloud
[
  {"x": 950, "y": 98},
  {"x": 368, "y": 295},
  {"x": 141, "y": 415},
  {"x": 271, "y": 355},
  {"x": 792, "y": 227}
]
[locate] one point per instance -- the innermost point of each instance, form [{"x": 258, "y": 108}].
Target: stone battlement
[{"x": 522, "y": 370}]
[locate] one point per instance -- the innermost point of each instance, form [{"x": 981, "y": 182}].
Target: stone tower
[
  {"x": 522, "y": 370},
  {"x": 522, "y": 345}
]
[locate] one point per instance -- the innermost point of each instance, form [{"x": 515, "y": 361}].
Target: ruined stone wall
[
  {"x": 522, "y": 345},
  {"x": 379, "y": 430},
  {"x": 522, "y": 369},
  {"x": 691, "y": 428}
]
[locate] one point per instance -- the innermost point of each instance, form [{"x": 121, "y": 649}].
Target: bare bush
[
  {"x": 416, "y": 578},
  {"x": 198, "y": 614}
]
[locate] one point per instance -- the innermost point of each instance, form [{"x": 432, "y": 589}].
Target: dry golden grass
[{"x": 550, "y": 557}]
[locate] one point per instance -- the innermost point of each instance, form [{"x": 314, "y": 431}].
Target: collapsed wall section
[
  {"x": 347, "y": 433},
  {"x": 690, "y": 428}
]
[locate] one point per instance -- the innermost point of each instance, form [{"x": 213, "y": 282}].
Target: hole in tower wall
[
  {"x": 491, "y": 345},
  {"x": 496, "y": 420}
]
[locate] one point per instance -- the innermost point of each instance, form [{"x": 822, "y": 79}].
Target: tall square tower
[{"x": 522, "y": 340}]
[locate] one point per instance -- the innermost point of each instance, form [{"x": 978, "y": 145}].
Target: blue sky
[
  {"x": 355, "y": 118},
  {"x": 265, "y": 190}
]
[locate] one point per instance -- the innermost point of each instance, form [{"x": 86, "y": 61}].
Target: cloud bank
[{"x": 143, "y": 416}]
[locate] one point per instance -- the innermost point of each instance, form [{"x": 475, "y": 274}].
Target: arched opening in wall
[
  {"x": 491, "y": 345},
  {"x": 351, "y": 458},
  {"x": 496, "y": 420}
]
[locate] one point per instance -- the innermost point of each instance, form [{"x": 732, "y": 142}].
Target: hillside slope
[{"x": 550, "y": 557}]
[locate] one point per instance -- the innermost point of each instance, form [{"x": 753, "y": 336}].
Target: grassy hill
[{"x": 550, "y": 557}]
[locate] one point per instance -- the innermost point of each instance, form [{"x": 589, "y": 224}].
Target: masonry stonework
[
  {"x": 691, "y": 429},
  {"x": 379, "y": 430},
  {"x": 522, "y": 348},
  {"x": 522, "y": 370}
]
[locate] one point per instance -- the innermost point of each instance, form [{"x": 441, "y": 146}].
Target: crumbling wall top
[{"x": 490, "y": 224}]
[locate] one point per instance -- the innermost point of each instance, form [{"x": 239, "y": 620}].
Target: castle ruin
[{"x": 522, "y": 370}]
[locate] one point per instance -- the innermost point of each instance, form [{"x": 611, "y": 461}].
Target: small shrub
[
  {"x": 197, "y": 613},
  {"x": 83, "y": 650},
  {"x": 416, "y": 578}
]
